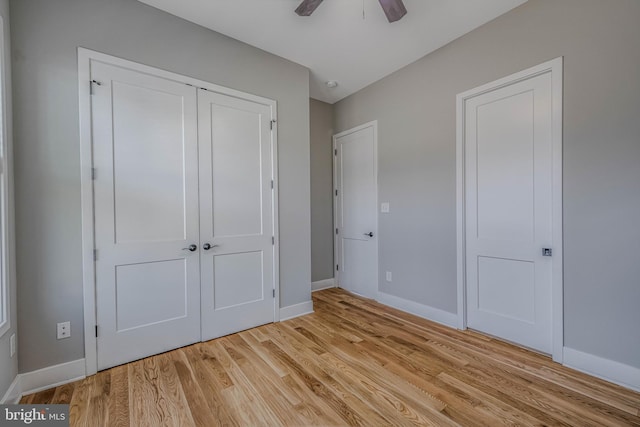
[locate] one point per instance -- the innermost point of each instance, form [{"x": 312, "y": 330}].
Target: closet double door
[{"x": 184, "y": 218}]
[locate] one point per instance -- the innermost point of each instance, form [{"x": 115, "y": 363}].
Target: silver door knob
[
  {"x": 190, "y": 248},
  {"x": 370, "y": 234},
  {"x": 208, "y": 246}
]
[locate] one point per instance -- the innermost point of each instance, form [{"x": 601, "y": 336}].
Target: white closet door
[
  {"x": 356, "y": 200},
  {"x": 509, "y": 211},
  {"x": 236, "y": 214},
  {"x": 146, "y": 212}
]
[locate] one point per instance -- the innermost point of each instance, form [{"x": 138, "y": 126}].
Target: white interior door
[
  {"x": 509, "y": 211},
  {"x": 236, "y": 214},
  {"x": 356, "y": 210},
  {"x": 146, "y": 211}
]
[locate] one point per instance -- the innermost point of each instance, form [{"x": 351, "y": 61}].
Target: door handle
[
  {"x": 190, "y": 248},
  {"x": 370, "y": 234},
  {"x": 208, "y": 246}
]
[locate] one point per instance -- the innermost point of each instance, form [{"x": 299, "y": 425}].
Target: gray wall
[
  {"x": 321, "y": 121},
  {"x": 8, "y": 365},
  {"x": 46, "y": 35},
  {"x": 600, "y": 41}
]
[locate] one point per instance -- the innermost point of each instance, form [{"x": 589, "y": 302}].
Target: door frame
[
  {"x": 336, "y": 253},
  {"x": 555, "y": 68},
  {"x": 85, "y": 56}
]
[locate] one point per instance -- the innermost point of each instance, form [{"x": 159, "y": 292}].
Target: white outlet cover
[
  {"x": 12, "y": 344},
  {"x": 389, "y": 277},
  {"x": 64, "y": 330},
  {"x": 384, "y": 207}
]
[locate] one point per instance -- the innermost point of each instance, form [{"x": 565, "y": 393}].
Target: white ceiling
[{"x": 336, "y": 43}]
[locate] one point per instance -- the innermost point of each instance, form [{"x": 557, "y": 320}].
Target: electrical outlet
[
  {"x": 12, "y": 344},
  {"x": 64, "y": 330},
  {"x": 384, "y": 207},
  {"x": 388, "y": 276}
]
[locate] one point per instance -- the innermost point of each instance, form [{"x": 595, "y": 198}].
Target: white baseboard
[
  {"x": 52, "y": 376},
  {"x": 609, "y": 370},
  {"x": 421, "y": 310},
  {"x": 14, "y": 393},
  {"x": 296, "y": 310},
  {"x": 323, "y": 284}
]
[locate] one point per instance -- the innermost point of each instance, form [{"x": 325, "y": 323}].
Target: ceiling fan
[{"x": 394, "y": 9}]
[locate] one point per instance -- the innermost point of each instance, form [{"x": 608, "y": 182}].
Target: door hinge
[
  {"x": 335, "y": 152},
  {"x": 271, "y": 124},
  {"x": 274, "y": 293},
  {"x": 336, "y": 231},
  {"x": 91, "y": 83},
  {"x": 273, "y": 240},
  {"x": 337, "y": 267},
  {"x": 96, "y": 331},
  {"x": 336, "y": 192},
  {"x": 95, "y": 254},
  {"x": 93, "y": 174},
  {"x": 272, "y": 184}
]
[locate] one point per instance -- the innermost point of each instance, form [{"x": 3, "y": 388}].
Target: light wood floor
[{"x": 352, "y": 362}]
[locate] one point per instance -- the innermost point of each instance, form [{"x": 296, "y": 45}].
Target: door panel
[
  {"x": 148, "y": 164},
  {"x": 165, "y": 285},
  {"x": 236, "y": 156},
  {"x": 510, "y": 280},
  {"x": 238, "y": 279},
  {"x": 504, "y": 147},
  {"x": 357, "y": 211},
  {"x": 146, "y": 211},
  {"x": 508, "y": 169},
  {"x": 236, "y": 216}
]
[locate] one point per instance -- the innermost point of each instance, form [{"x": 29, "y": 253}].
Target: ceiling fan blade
[
  {"x": 394, "y": 9},
  {"x": 307, "y": 7}
]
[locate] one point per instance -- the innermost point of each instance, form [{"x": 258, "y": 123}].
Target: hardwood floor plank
[
  {"x": 144, "y": 398},
  {"x": 201, "y": 415},
  {"x": 43, "y": 397},
  {"x": 210, "y": 383},
  {"x": 173, "y": 397},
  {"x": 63, "y": 393},
  {"x": 352, "y": 362},
  {"x": 257, "y": 377},
  {"x": 358, "y": 369},
  {"x": 246, "y": 398},
  {"x": 80, "y": 410},
  {"x": 349, "y": 415},
  {"x": 119, "y": 398}
]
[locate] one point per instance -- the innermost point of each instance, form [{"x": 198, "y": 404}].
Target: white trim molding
[
  {"x": 555, "y": 68},
  {"x": 6, "y": 201},
  {"x": 606, "y": 369},
  {"x": 296, "y": 310},
  {"x": 52, "y": 376},
  {"x": 44, "y": 379},
  {"x": 13, "y": 395},
  {"x": 420, "y": 310},
  {"x": 323, "y": 284}
]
